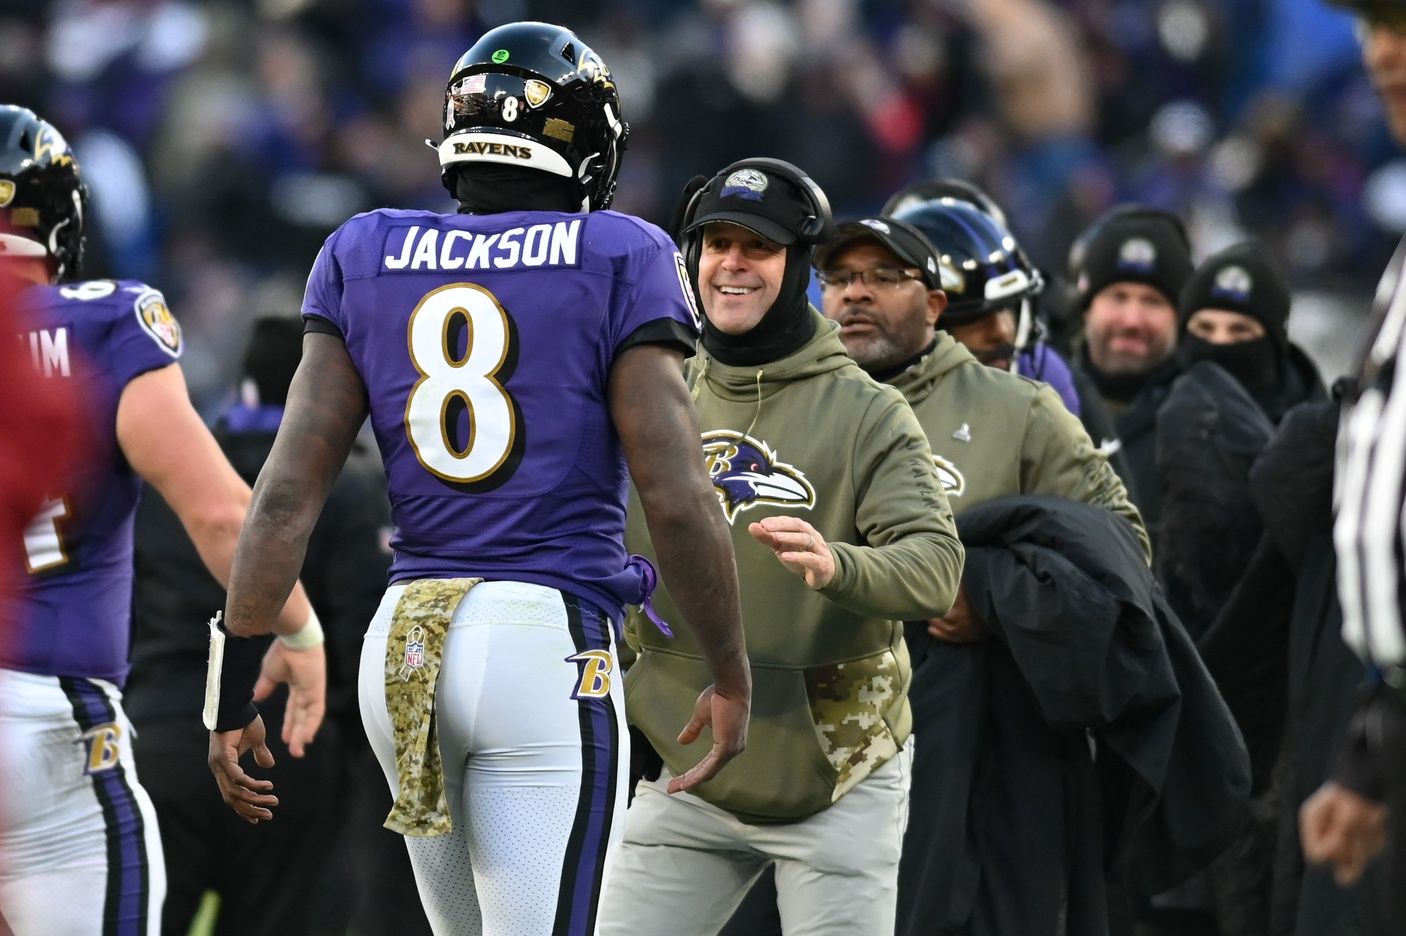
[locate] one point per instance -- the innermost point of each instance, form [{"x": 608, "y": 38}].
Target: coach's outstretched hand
[
  {"x": 305, "y": 672},
  {"x": 727, "y": 716}
]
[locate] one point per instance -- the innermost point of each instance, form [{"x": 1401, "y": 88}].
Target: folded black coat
[{"x": 1014, "y": 822}]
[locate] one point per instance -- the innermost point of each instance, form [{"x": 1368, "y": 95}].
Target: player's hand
[
  {"x": 959, "y": 625},
  {"x": 305, "y": 672},
  {"x": 1343, "y": 829},
  {"x": 727, "y": 716},
  {"x": 799, "y": 546},
  {"x": 251, "y": 799}
]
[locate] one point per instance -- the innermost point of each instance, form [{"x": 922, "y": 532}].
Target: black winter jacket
[{"x": 1084, "y": 740}]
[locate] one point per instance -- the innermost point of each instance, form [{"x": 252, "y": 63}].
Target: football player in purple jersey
[
  {"x": 520, "y": 362},
  {"x": 79, "y": 850}
]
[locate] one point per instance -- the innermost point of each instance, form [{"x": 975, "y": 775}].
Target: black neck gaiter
[
  {"x": 1121, "y": 388},
  {"x": 488, "y": 188},
  {"x": 1254, "y": 364},
  {"x": 783, "y": 330}
]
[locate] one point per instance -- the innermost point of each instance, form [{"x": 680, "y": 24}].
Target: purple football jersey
[
  {"x": 75, "y": 615},
  {"x": 485, "y": 343}
]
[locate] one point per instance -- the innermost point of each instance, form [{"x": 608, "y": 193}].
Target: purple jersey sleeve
[
  {"x": 323, "y": 297},
  {"x": 146, "y": 338},
  {"x": 661, "y": 295}
]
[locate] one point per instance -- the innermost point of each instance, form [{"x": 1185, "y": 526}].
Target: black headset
[{"x": 814, "y": 229}]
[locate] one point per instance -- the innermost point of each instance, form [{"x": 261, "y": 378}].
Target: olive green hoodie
[
  {"x": 810, "y": 436},
  {"x": 995, "y": 434}
]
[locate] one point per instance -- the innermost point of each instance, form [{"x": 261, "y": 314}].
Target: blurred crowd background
[{"x": 224, "y": 140}]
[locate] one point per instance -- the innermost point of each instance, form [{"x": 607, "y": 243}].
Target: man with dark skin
[
  {"x": 508, "y": 356},
  {"x": 993, "y": 435},
  {"x": 652, "y": 412}
]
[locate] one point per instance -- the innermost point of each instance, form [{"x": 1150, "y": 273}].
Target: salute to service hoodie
[
  {"x": 811, "y": 436},
  {"x": 994, "y": 434}
]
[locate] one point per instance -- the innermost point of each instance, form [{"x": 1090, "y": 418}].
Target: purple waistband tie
[{"x": 649, "y": 578}]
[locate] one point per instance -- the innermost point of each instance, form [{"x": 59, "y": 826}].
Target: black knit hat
[
  {"x": 1241, "y": 278},
  {"x": 1130, "y": 244}
]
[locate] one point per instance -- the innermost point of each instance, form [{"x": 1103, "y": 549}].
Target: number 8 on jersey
[{"x": 450, "y": 384}]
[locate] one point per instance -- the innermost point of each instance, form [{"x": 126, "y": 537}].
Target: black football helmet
[
  {"x": 983, "y": 268},
  {"x": 534, "y": 95},
  {"x": 42, "y": 197}
]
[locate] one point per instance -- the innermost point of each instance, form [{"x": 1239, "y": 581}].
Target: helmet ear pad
[{"x": 690, "y": 242}]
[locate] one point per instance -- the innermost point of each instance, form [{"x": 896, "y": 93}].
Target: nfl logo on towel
[{"x": 415, "y": 648}]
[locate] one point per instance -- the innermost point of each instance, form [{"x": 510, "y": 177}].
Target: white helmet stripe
[
  {"x": 502, "y": 148},
  {"x": 1007, "y": 284},
  {"x": 15, "y": 245}
]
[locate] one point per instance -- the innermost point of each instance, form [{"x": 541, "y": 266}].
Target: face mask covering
[{"x": 1255, "y": 363}]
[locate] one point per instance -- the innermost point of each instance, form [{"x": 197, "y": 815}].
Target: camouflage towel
[
  {"x": 848, "y": 704},
  {"x": 414, "y": 650}
]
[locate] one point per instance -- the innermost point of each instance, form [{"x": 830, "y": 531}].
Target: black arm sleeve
[
  {"x": 313, "y": 324},
  {"x": 662, "y": 331}
]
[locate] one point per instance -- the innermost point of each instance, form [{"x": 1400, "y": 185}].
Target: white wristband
[{"x": 307, "y": 638}]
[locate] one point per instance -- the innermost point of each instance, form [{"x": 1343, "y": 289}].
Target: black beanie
[
  {"x": 1241, "y": 278},
  {"x": 1134, "y": 245}
]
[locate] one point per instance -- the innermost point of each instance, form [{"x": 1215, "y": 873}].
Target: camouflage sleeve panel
[{"x": 1059, "y": 459}]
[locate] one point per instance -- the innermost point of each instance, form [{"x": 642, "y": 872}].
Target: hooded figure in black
[
  {"x": 1234, "y": 311},
  {"x": 1240, "y": 375}
]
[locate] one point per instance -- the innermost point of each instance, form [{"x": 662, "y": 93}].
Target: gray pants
[{"x": 685, "y": 865}]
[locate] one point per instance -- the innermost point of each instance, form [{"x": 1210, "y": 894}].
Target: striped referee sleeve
[{"x": 1368, "y": 530}]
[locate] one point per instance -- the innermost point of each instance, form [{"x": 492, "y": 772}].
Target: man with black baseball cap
[
  {"x": 994, "y": 435},
  {"x": 904, "y": 269},
  {"x": 829, "y": 471},
  {"x": 768, "y": 316}
]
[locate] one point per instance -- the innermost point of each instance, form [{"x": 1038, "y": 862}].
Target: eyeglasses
[{"x": 877, "y": 277}]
